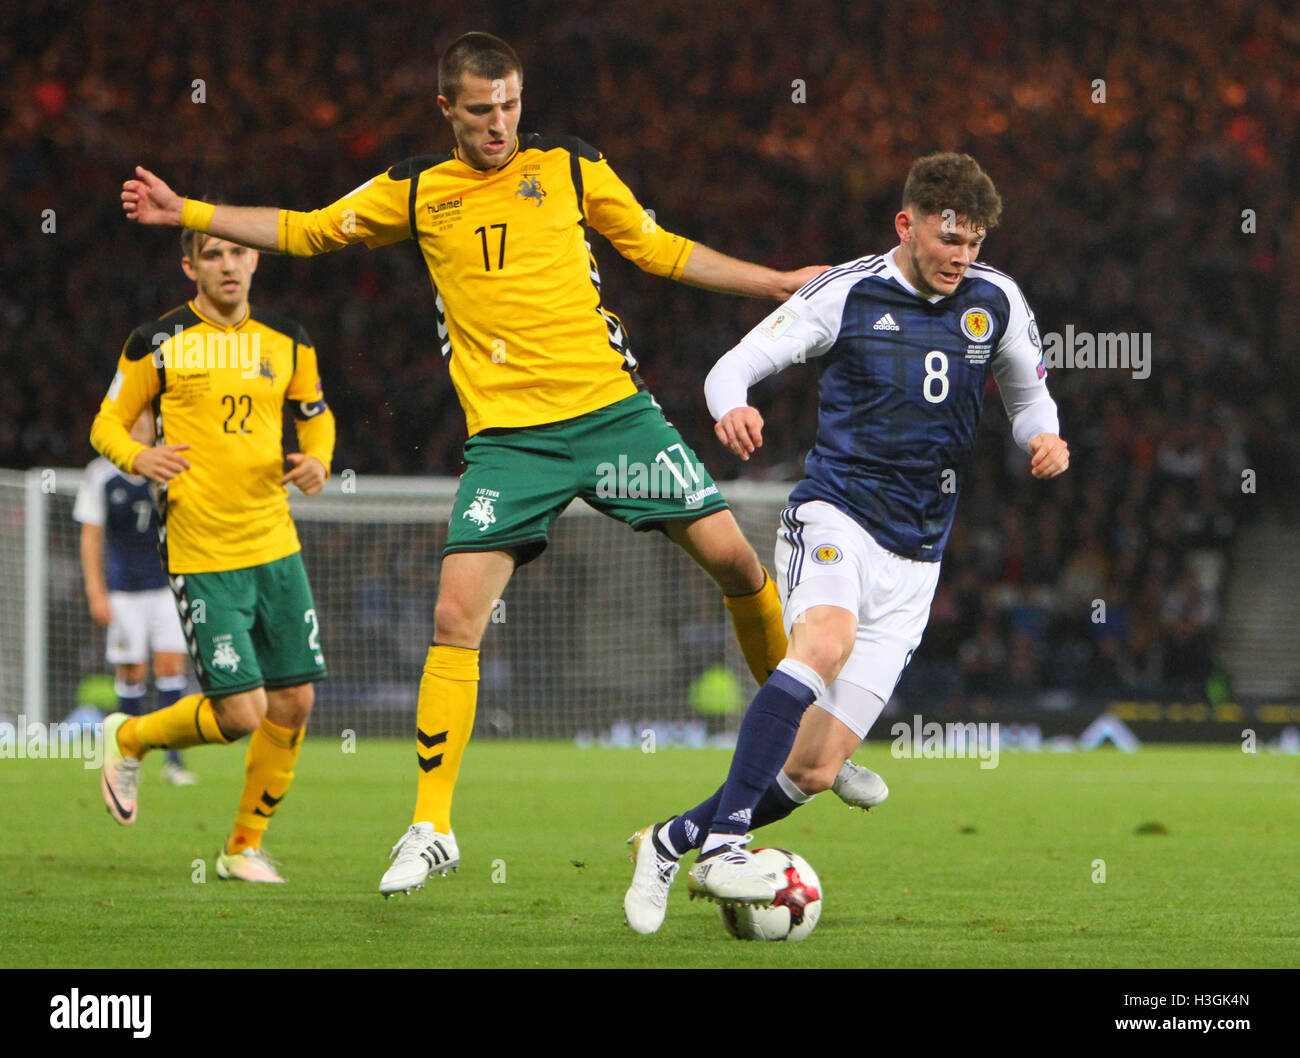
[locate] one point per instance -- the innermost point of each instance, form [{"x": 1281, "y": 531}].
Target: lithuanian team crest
[
  {"x": 530, "y": 187},
  {"x": 827, "y": 554},
  {"x": 975, "y": 325}
]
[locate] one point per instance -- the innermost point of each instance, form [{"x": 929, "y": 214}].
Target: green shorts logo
[
  {"x": 224, "y": 655},
  {"x": 480, "y": 511}
]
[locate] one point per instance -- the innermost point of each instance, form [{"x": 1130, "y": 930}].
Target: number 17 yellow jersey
[{"x": 518, "y": 294}]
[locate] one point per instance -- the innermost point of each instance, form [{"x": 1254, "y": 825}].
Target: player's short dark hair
[
  {"x": 190, "y": 244},
  {"x": 482, "y": 55},
  {"x": 944, "y": 181}
]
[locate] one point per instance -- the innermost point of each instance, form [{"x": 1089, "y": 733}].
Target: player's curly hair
[
  {"x": 944, "y": 181},
  {"x": 481, "y": 54}
]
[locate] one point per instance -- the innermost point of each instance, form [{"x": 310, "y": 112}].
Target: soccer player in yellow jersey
[
  {"x": 216, "y": 374},
  {"x": 543, "y": 372}
]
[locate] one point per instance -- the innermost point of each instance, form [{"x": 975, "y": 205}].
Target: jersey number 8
[{"x": 933, "y": 373}]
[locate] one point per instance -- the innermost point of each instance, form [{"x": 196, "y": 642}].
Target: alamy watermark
[
  {"x": 935, "y": 740},
  {"x": 75, "y": 1011},
  {"x": 193, "y": 351},
  {"x": 672, "y": 475},
  {"x": 1128, "y": 351},
  {"x": 39, "y": 741}
]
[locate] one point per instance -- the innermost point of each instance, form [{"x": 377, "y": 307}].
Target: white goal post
[{"x": 607, "y": 632}]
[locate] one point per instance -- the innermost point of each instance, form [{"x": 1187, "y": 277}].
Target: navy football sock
[
  {"x": 130, "y": 697},
  {"x": 688, "y": 830},
  {"x": 775, "y": 804},
  {"x": 766, "y": 735}
]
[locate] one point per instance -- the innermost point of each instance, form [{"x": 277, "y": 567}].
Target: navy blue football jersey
[
  {"x": 123, "y": 504},
  {"x": 902, "y": 385}
]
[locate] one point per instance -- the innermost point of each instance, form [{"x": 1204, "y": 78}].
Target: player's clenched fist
[
  {"x": 741, "y": 430},
  {"x": 308, "y": 473},
  {"x": 149, "y": 200},
  {"x": 161, "y": 462},
  {"x": 1051, "y": 455}
]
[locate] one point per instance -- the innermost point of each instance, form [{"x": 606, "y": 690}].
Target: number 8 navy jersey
[{"x": 902, "y": 385}]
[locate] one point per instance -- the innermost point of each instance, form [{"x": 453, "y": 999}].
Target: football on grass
[{"x": 794, "y": 912}]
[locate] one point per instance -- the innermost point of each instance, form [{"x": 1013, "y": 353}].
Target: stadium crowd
[{"x": 1145, "y": 159}]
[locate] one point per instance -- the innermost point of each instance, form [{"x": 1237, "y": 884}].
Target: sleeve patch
[{"x": 778, "y": 323}]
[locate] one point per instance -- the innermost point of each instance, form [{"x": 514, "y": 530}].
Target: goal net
[{"x": 608, "y": 634}]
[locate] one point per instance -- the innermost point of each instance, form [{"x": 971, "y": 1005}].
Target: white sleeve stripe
[{"x": 872, "y": 264}]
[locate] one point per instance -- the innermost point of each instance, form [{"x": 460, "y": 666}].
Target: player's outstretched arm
[
  {"x": 741, "y": 430},
  {"x": 148, "y": 200},
  {"x": 1051, "y": 455},
  {"x": 715, "y": 271}
]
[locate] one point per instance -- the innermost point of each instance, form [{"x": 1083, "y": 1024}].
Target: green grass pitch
[{"x": 961, "y": 867}]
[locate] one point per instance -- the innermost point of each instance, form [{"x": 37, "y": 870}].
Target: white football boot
[
  {"x": 731, "y": 874},
  {"x": 119, "y": 777},
  {"x": 251, "y": 865},
  {"x": 178, "y": 775},
  {"x": 859, "y": 787},
  {"x": 646, "y": 901},
  {"x": 420, "y": 852}
]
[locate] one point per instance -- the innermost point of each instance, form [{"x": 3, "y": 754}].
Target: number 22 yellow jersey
[
  {"x": 518, "y": 293},
  {"x": 221, "y": 390}
]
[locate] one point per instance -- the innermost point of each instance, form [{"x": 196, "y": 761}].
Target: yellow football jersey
[
  {"x": 518, "y": 294},
  {"x": 221, "y": 390}
]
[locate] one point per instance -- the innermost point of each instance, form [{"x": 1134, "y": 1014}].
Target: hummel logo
[{"x": 886, "y": 323}]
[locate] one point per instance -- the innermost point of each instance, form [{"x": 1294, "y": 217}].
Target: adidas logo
[
  {"x": 886, "y": 323},
  {"x": 742, "y": 816}
]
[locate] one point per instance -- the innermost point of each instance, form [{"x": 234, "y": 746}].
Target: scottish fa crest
[
  {"x": 530, "y": 187},
  {"x": 975, "y": 325}
]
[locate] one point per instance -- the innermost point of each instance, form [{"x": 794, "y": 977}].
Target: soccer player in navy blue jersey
[
  {"x": 905, "y": 342},
  {"x": 126, "y": 590}
]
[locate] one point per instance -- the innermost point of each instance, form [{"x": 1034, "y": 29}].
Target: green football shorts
[
  {"x": 626, "y": 460},
  {"x": 253, "y": 627}
]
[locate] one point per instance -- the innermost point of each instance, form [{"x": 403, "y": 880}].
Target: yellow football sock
[
  {"x": 268, "y": 771},
  {"x": 443, "y": 721},
  {"x": 759, "y": 629},
  {"x": 190, "y": 722}
]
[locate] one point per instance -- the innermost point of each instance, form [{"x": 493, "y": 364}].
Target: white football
[{"x": 792, "y": 915}]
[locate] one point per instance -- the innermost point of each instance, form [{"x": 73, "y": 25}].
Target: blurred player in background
[
  {"x": 906, "y": 341},
  {"x": 217, "y": 375},
  {"x": 119, "y": 530},
  {"x": 542, "y": 369}
]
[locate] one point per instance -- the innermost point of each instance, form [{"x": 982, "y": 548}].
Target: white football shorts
[
  {"x": 825, "y": 558},
  {"x": 143, "y": 623}
]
